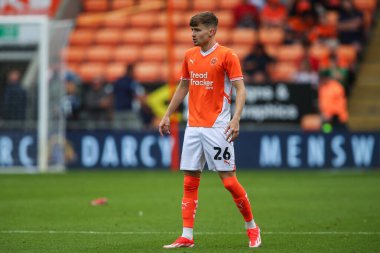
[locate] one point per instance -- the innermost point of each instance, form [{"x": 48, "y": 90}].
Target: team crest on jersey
[{"x": 214, "y": 61}]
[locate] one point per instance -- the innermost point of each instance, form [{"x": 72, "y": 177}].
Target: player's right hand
[{"x": 164, "y": 126}]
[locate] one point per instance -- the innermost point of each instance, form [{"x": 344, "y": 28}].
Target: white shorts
[{"x": 201, "y": 145}]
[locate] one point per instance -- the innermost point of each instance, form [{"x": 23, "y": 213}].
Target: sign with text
[{"x": 278, "y": 103}]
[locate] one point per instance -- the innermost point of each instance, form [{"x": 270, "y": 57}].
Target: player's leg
[
  {"x": 241, "y": 200},
  {"x": 192, "y": 163},
  {"x": 220, "y": 156}
]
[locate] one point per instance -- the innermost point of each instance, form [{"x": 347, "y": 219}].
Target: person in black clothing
[
  {"x": 256, "y": 61},
  {"x": 14, "y": 100},
  {"x": 350, "y": 25}
]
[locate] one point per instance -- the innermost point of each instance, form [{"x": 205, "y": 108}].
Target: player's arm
[
  {"x": 232, "y": 129},
  {"x": 179, "y": 94}
]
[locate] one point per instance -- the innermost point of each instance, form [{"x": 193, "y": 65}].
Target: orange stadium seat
[
  {"x": 89, "y": 20},
  {"x": 147, "y": 72},
  {"x": 346, "y": 55},
  {"x": 283, "y": 72},
  {"x": 145, "y": 19},
  {"x": 202, "y": 5},
  {"x": 176, "y": 74},
  {"x": 320, "y": 53},
  {"x": 183, "y": 35},
  {"x": 272, "y": 36},
  {"x": 126, "y": 54},
  {"x": 293, "y": 53},
  {"x": 226, "y": 18},
  {"x": 244, "y": 36},
  {"x": 95, "y": 5},
  {"x": 82, "y": 37},
  {"x": 118, "y": 4},
  {"x": 99, "y": 53},
  {"x": 179, "y": 52},
  {"x": 116, "y": 21},
  {"x": 241, "y": 50},
  {"x": 271, "y": 50},
  {"x": 108, "y": 36},
  {"x": 311, "y": 122},
  {"x": 228, "y": 5},
  {"x": 73, "y": 54},
  {"x": 178, "y": 19},
  {"x": 114, "y": 71},
  {"x": 158, "y": 36},
  {"x": 154, "y": 53},
  {"x": 88, "y": 71},
  {"x": 135, "y": 36},
  {"x": 365, "y": 5},
  {"x": 223, "y": 36},
  {"x": 181, "y": 5}
]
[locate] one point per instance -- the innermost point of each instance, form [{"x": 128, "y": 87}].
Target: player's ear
[{"x": 212, "y": 31}]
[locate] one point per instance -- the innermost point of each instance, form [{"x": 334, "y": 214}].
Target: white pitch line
[{"x": 166, "y": 232}]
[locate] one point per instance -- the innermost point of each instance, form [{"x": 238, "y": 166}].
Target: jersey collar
[{"x": 210, "y": 50}]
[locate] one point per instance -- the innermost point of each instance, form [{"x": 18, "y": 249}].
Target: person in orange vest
[{"x": 332, "y": 101}]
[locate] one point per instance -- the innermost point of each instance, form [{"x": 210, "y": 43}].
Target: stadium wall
[{"x": 260, "y": 150}]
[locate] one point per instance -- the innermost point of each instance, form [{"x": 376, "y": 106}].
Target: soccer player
[{"x": 209, "y": 71}]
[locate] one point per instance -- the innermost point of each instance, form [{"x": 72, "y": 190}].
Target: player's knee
[
  {"x": 229, "y": 183},
  {"x": 191, "y": 184}
]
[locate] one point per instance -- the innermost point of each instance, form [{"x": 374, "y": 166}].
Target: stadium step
[{"x": 364, "y": 102}]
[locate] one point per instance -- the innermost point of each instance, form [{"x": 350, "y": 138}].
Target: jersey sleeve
[
  {"x": 233, "y": 68},
  {"x": 185, "y": 75}
]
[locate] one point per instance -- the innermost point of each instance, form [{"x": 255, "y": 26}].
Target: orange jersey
[{"x": 210, "y": 75}]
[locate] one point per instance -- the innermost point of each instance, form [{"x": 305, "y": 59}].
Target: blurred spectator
[
  {"x": 303, "y": 17},
  {"x": 259, "y": 4},
  {"x": 332, "y": 100},
  {"x": 331, "y": 5},
  {"x": 324, "y": 31},
  {"x": 129, "y": 99},
  {"x": 350, "y": 25},
  {"x": 273, "y": 14},
  {"x": 72, "y": 98},
  {"x": 336, "y": 72},
  {"x": 246, "y": 15},
  {"x": 305, "y": 75},
  {"x": 14, "y": 100},
  {"x": 260, "y": 78},
  {"x": 98, "y": 100},
  {"x": 256, "y": 61}
]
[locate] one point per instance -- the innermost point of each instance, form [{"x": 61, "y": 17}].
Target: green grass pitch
[{"x": 298, "y": 211}]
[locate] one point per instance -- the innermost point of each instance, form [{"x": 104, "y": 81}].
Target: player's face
[{"x": 202, "y": 34}]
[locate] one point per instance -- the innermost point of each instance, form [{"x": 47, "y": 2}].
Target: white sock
[
  {"x": 187, "y": 233},
  {"x": 250, "y": 224}
]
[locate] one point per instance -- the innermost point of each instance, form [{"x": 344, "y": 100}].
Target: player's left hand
[{"x": 232, "y": 130}]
